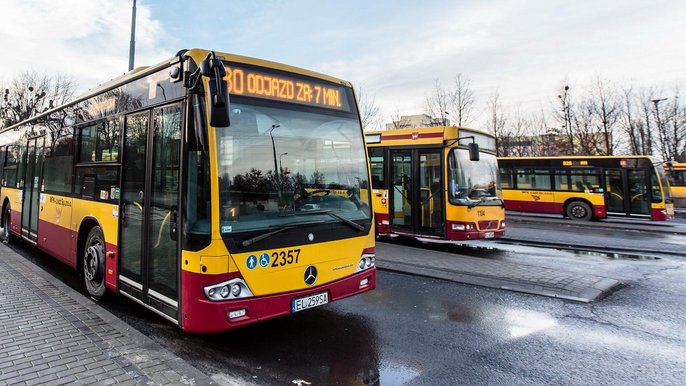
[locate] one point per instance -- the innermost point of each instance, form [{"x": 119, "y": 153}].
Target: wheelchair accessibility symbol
[{"x": 264, "y": 260}]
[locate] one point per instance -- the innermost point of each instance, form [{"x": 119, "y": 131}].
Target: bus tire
[
  {"x": 94, "y": 263},
  {"x": 5, "y": 235},
  {"x": 579, "y": 210}
]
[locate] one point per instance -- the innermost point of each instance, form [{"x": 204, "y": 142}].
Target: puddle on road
[
  {"x": 610, "y": 256},
  {"x": 486, "y": 247}
]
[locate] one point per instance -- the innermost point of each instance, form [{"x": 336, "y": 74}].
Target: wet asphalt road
[{"x": 419, "y": 331}]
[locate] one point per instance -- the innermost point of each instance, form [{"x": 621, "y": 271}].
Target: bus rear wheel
[
  {"x": 5, "y": 235},
  {"x": 94, "y": 263},
  {"x": 578, "y": 210}
]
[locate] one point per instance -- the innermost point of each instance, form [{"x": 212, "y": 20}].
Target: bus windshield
[
  {"x": 278, "y": 163},
  {"x": 473, "y": 182}
]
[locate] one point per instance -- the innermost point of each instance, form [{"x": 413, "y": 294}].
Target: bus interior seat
[{"x": 580, "y": 186}]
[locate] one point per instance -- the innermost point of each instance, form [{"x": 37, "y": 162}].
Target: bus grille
[{"x": 486, "y": 225}]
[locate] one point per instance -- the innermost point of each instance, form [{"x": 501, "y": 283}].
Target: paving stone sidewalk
[
  {"x": 493, "y": 273},
  {"x": 51, "y": 334}
]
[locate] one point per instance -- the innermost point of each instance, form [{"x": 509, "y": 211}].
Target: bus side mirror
[
  {"x": 213, "y": 68},
  {"x": 473, "y": 151}
]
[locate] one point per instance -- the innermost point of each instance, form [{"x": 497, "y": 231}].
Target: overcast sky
[{"x": 395, "y": 50}]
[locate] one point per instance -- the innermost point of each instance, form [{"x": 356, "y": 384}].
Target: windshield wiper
[
  {"x": 344, "y": 220},
  {"x": 348, "y": 222},
  {"x": 486, "y": 199},
  {"x": 263, "y": 236}
]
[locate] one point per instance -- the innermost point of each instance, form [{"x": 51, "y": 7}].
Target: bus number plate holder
[
  {"x": 311, "y": 301},
  {"x": 489, "y": 235}
]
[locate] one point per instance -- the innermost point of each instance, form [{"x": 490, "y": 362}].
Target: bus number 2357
[{"x": 283, "y": 258}]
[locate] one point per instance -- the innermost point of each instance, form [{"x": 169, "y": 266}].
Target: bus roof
[
  {"x": 676, "y": 165},
  {"x": 197, "y": 55},
  {"x": 416, "y": 135}
]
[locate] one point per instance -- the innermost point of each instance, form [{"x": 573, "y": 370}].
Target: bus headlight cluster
[
  {"x": 462, "y": 227},
  {"x": 366, "y": 261},
  {"x": 229, "y": 290}
]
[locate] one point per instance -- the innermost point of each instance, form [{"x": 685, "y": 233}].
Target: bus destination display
[{"x": 262, "y": 84}]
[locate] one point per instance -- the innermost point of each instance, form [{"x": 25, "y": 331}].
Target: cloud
[
  {"x": 88, "y": 40},
  {"x": 523, "y": 49}
]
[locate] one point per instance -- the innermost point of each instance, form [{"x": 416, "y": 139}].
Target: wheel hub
[{"x": 92, "y": 263}]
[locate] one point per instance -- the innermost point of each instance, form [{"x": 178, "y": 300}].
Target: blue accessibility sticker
[
  {"x": 251, "y": 262},
  {"x": 264, "y": 260}
]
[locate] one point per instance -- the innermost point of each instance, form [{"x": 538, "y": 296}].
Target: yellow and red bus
[
  {"x": 435, "y": 182},
  {"x": 158, "y": 187},
  {"x": 585, "y": 188},
  {"x": 676, "y": 172}
]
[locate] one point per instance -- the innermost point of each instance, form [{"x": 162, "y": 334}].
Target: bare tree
[
  {"x": 677, "y": 124},
  {"x": 369, "y": 110},
  {"x": 461, "y": 100},
  {"x": 631, "y": 124},
  {"x": 606, "y": 109},
  {"x": 496, "y": 124},
  {"x": 30, "y": 94},
  {"x": 397, "y": 120},
  {"x": 585, "y": 135},
  {"x": 522, "y": 129},
  {"x": 438, "y": 101},
  {"x": 670, "y": 125}
]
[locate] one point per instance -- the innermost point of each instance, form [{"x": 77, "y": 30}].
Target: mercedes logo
[{"x": 310, "y": 275}]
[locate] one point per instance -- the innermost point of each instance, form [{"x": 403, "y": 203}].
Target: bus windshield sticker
[{"x": 227, "y": 228}]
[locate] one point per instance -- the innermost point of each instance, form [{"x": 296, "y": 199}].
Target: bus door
[
  {"x": 148, "y": 251},
  {"x": 31, "y": 192},
  {"x": 416, "y": 199},
  {"x": 627, "y": 192}
]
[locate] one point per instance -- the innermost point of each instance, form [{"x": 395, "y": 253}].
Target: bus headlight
[
  {"x": 228, "y": 290},
  {"x": 367, "y": 260},
  {"x": 235, "y": 289}
]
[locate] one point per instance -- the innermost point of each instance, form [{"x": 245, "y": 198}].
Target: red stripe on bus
[
  {"x": 536, "y": 207},
  {"x": 410, "y": 136},
  {"x": 57, "y": 241}
]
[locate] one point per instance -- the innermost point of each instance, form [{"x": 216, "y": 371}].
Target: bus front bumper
[{"x": 201, "y": 315}]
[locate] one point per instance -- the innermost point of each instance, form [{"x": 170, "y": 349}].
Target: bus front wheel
[
  {"x": 578, "y": 210},
  {"x": 94, "y": 263}
]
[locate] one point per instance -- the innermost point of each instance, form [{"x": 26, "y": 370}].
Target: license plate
[
  {"x": 489, "y": 235},
  {"x": 311, "y": 301}
]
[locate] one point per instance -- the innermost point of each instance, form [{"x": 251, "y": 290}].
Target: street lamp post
[
  {"x": 567, "y": 117},
  {"x": 132, "y": 44}
]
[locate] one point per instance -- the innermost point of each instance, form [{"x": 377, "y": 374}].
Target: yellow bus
[
  {"x": 676, "y": 172},
  {"x": 435, "y": 182},
  {"x": 212, "y": 214},
  {"x": 585, "y": 188}
]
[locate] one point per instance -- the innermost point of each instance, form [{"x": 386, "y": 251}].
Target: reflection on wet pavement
[
  {"x": 523, "y": 322},
  {"x": 393, "y": 373}
]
